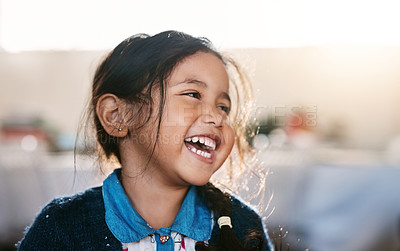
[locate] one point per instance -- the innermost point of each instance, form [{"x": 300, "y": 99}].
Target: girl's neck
[{"x": 157, "y": 204}]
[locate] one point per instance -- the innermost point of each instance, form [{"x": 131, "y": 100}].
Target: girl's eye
[
  {"x": 195, "y": 95},
  {"x": 226, "y": 109}
]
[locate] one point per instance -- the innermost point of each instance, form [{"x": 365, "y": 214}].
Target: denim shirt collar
[{"x": 194, "y": 220}]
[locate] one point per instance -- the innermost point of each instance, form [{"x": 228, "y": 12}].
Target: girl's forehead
[{"x": 203, "y": 68}]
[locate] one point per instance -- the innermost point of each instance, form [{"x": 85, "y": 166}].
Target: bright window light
[{"x": 101, "y": 24}]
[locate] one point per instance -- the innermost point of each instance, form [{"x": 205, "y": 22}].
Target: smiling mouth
[{"x": 202, "y": 146}]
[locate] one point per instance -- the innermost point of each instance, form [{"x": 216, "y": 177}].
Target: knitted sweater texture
[{"x": 78, "y": 223}]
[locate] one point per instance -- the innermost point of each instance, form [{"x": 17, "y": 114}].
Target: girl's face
[{"x": 195, "y": 136}]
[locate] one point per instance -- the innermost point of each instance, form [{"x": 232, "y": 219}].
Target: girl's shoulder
[
  {"x": 91, "y": 195},
  {"x": 70, "y": 208},
  {"x": 244, "y": 217},
  {"x": 246, "y": 220},
  {"x": 242, "y": 208},
  {"x": 73, "y": 221}
]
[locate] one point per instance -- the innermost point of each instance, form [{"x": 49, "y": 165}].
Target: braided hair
[{"x": 220, "y": 204}]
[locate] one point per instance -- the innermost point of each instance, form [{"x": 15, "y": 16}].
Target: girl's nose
[{"x": 213, "y": 117}]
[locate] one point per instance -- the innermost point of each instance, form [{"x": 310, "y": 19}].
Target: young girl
[{"x": 161, "y": 107}]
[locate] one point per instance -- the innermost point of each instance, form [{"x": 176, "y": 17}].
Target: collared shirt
[{"x": 193, "y": 222}]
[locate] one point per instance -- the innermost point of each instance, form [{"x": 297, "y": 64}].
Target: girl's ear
[{"x": 109, "y": 110}]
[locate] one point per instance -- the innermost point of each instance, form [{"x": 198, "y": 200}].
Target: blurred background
[{"x": 326, "y": 76}]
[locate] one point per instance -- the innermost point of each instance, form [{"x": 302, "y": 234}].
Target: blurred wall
[
  {"x": 54, "y": 85},
  {"x": 354, "y": 88}
]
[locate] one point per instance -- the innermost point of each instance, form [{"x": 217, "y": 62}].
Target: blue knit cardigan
[{"x": 78, "y": 223}]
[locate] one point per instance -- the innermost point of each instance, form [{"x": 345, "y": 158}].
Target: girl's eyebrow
[
  {"x": 192, "y": 81},
  {"x": 203, "y": 84}
]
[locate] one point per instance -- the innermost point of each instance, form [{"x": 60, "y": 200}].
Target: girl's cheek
[
  {"x": 229, "y": 121},
  {"x": 190, "y": 113},
  {"x": 230, "y": 136}
]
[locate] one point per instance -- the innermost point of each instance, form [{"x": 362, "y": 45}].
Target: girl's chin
[
  {"x": 199, "y": 181},
  {"x": 199, "y": 177}
]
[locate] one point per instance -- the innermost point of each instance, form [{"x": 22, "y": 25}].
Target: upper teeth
[{"x": 203, "y": 140}]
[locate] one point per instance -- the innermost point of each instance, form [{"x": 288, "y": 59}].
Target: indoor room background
[{"x": 326, "y": 79}]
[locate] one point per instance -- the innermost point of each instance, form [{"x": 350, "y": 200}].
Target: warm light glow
[
  {"x": 100, "y": 24},
  {"x": 351, "y": 22}
]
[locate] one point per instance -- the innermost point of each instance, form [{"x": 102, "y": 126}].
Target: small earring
[{"x": 120, "y": 128}]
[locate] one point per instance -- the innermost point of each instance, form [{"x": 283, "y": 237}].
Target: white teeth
[
  {"x": 203, "y": 140},
  {"x": 210, "y": 143},
  {"x": 201, "y": 153}
]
